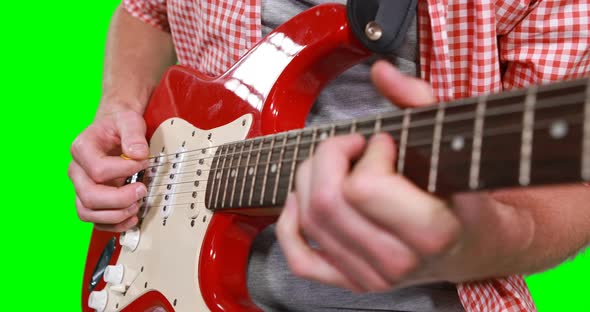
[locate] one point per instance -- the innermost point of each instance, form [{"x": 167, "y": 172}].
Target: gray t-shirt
[{"x": 271, "y": 285}]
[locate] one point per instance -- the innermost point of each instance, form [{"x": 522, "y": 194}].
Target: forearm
[
  {"x": 136, "y": 56},
  {"x": 561, "y": 218},
  {"x": 523, "y": 230}
]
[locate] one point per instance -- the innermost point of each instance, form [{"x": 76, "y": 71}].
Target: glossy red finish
[{"x": 324, "y": 47}]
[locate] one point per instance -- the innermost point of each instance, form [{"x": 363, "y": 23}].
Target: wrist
[
  {"x": 131, "y": 96},
  {"x": 496, "y": 240},
  {"x": 114, "y": 104}
]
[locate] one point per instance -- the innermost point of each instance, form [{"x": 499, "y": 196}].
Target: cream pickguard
[{"x": 163, "y": 252}]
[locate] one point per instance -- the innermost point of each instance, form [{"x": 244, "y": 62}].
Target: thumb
[
  {"x": 400, "y": 89},
  {"x": 132, "y": 131}
]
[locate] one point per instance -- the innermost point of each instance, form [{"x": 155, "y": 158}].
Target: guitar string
[
  {"x": 506, "y": 110},
  {"x": 499, "y": 131},
  {"x": 416, "y": 142},
  {"x": 509, "y": 95}
]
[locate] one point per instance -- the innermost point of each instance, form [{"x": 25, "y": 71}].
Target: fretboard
[{"x": 534, "y": 136}]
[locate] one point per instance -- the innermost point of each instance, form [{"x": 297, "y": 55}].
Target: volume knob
[
  {"x": 113, "y": 274},
  {"x": 98, "y": 300},
  {"x": 130, "y": 239}
]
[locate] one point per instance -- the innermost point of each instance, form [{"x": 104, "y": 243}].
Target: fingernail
[
  {"x": 140, "y": 191},
  {"x": 138, "y": 148},
  {"x": 376, "y": 137},
  {"x": 132, "y": 222},
  {"x": 133, "y": 209}
]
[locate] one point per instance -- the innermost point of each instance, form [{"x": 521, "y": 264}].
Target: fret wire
[
  {"x": 440, "y": 115},
  {"x": 528, "y": 119},
  {"x": 353, "y": 126},
  {"x": 265, "y": 176},
  {"x": 255, "y": 171},
  {"x": 223, "y": 148},
  {"x": 245, "y": 173},
  {"x": 233, "y": 189},
  {"x": 477, "y": 140},
  {"x": 229, "y": 171},
  {"x": 274, "y": 193},
  {"x": 294, "y": 162},
  {"x": 378, "y": 123},
  {"x": 586, "y": 139},
  {"x": 313, "y": 142},
  {"x": 403, "y": 142}
]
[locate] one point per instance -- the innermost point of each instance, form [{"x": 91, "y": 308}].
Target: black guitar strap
[{"x": 381, "y": 25}]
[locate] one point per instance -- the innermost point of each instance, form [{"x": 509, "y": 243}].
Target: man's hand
[
  {"x": 98, "y": 171},
  {"x": 374, "y": 229}
]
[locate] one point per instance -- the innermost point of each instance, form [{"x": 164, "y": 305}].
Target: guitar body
[{"x": 188, "y": 258}]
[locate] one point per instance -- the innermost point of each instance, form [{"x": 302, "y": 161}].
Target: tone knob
[
  {"x": 98, "y": 300},
  {"x": 130, "y": 239},
  {"x": 113, "y": 274}
]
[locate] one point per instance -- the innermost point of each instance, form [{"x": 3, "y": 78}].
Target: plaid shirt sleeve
[
  {"x": 551, "y": 42},
  {"x": 152, "y": 12}
]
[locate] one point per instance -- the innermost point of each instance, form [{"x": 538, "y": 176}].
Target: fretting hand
[{"x": 374, "y": 229}]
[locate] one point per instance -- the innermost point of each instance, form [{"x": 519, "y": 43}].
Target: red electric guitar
[{"x": 225, "y": 157}]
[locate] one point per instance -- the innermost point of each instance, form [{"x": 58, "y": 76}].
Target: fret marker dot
[
  {"x": 233, "y": 173},
  {"x": 273, "y": 168},
  {"x": 558, "y": 129},
  {"x": 218, "y": 175},
  {"x": 458, "y": 143},
  {"x": 251, "y": 171},
  {"x": 323, "y": 136}
]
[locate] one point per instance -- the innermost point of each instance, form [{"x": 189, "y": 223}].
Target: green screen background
[{"x": 52, "y": 57}]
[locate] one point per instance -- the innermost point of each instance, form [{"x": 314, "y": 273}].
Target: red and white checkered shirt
[{"x": 466, "y": 48}]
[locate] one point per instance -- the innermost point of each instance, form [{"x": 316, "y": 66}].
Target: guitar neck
[{"x": 534, "y": 136}]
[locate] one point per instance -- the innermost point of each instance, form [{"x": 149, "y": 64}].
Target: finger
[
  {"x": 110, "y": 216},
  {"x": 422, "y": 221},
  {"x": 132, "y": 131},
  {"x": 323, "y": 176},
  {"x": 301, "y": 258},
  {"x": 89, "y": 151},
  {"x": 120, "y": 227},
  {"x": 330, "y": 164},
  {"x": 375, "y": 264},
  {"x": 97, "y": 196},
  {"x": 327, "y": 220},
  {"x": 378, "y": 158},
  {"x": 404, "y": 91}
]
